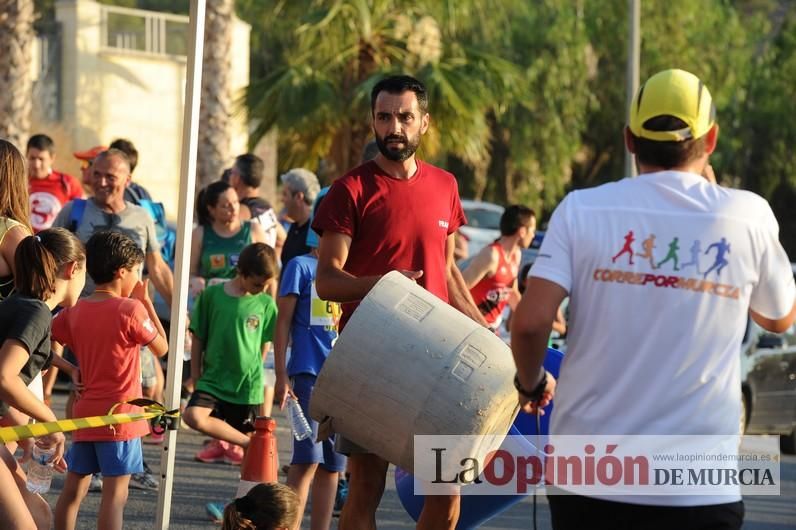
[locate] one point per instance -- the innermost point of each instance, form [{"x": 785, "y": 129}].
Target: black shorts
[
  {"x": 239, "y": 416},
  {"x": 577, "y": 512}
]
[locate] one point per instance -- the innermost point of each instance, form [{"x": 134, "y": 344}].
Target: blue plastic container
[{"x": 478, "y": 509}]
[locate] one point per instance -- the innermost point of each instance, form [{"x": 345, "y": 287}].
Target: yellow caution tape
[{"x": 152, "y": 409}]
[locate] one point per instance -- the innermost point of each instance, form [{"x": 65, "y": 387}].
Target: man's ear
[
  {"x": 425, "y": 122},
  {"x": 629, "y": 143},
  {"x": 712, "y": 139}
]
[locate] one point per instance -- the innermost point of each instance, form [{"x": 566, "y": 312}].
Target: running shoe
[{"x": 213, "y": 452}]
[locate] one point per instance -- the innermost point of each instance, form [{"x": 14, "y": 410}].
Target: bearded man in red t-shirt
[
  {"x": 391, "y": 213},
  {"x": 49, "y": 189}
]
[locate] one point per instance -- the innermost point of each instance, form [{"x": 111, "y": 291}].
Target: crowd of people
[{"x": 267, "y": 302}]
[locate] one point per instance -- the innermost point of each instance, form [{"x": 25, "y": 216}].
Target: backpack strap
[
  {"x": 156, "y": 210},
  {"x": 134, "y": 193},
  {"x": 76, "y": 214}
]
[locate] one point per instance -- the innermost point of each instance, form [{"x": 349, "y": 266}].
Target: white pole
[
  {"x": 633, "y": 62},
  {"x": 179, "y": 300}
]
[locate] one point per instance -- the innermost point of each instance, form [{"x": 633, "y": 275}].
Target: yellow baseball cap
[{"x": 673, "y": 93}]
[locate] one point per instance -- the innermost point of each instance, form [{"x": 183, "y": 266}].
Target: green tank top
[{"x": 220, "y": 254}]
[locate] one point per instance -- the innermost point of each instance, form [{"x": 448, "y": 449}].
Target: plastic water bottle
[
  {"x": 40, "y": 470},
  {"x": 298, "y": 422}
]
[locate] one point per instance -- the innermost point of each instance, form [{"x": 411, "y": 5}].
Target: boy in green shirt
[{"x": 232, "y": 324}]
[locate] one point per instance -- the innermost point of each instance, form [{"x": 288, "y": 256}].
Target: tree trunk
[
  {"x": 16, "y": 83},
  {"x": 480, "y": 177},
  {"x": 267, "y": 149},
  {"x": 216, "y": 106}
]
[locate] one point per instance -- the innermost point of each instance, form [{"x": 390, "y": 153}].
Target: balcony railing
[{"x": 148, "y": 32}]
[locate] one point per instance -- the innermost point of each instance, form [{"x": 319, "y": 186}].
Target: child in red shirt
[
  {"x": 49, "y": 189},
  {"x": 106, "y": 331}
]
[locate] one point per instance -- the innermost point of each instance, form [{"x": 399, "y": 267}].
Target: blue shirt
[{"x": 313, "y": 329}]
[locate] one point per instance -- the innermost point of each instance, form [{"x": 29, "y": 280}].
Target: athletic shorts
[
  {"x": 308, "y": 451},
  {"x": 575, "y": 512},
  {"x": 112, "y": 459},
  {"x": 238, "y": 416},
  {"x": 149, "y": 376}
]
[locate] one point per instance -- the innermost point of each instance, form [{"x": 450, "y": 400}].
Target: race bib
[{"x": 323, "y": 313}]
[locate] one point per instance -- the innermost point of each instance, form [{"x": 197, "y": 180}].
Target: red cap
[{"x": 89, "y": 154}]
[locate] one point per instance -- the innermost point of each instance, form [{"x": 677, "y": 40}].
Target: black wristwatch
[{"x": 535, "y": 394}]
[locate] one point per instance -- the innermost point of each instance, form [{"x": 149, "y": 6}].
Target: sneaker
[
  {"x": 216, "y": 511},
  {"x": 96, "y": 482},
  {"x": 233, "y": 454},
  {"x": 340, "y": 497},
  {"x": 212, "y": 452},
  {"x": 144, "y": 481}
]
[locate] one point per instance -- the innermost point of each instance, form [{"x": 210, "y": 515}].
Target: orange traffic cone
[{"x": 259, "y": 463}]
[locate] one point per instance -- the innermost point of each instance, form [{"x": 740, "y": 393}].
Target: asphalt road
[{"x": 196, "y": 484}]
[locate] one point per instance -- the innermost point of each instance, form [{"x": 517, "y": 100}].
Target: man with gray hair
[
  {"x": 108, "y": 210},
  {"x": 299, "y": 188}
]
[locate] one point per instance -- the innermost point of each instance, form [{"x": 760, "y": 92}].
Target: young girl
[
  {"x": 14, "y": 227},
  {"x": 265, "y": 507},
  {"x": 50, "y": 271}
]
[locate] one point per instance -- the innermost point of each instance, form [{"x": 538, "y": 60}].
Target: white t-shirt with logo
[{"x": 661, "y": 271}]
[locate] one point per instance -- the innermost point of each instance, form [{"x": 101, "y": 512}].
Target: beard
[{"x": 395, "y": 154}]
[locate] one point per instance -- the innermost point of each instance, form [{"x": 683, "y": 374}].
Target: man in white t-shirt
[{"x": 654, "y": 342}]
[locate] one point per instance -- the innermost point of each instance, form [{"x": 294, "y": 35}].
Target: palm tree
[
  {"x": 216, "y": 107},
  {"x": 318, "y": 96},
  {"x": 16, "y": 83}
]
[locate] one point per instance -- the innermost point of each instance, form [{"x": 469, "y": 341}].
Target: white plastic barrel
[{"x": 407, "y": 363}]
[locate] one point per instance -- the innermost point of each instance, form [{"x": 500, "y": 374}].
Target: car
[
  {"x": 483, "y": 224},
  {"x": 768, "y": 384}
]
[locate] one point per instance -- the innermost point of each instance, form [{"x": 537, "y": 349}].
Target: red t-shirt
[
  {"x": 48, "y": 196},
  {"x": 491, "y": 294},
  {"x": 394, "y": 224},
  {"x": 106, "y": 337}
]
